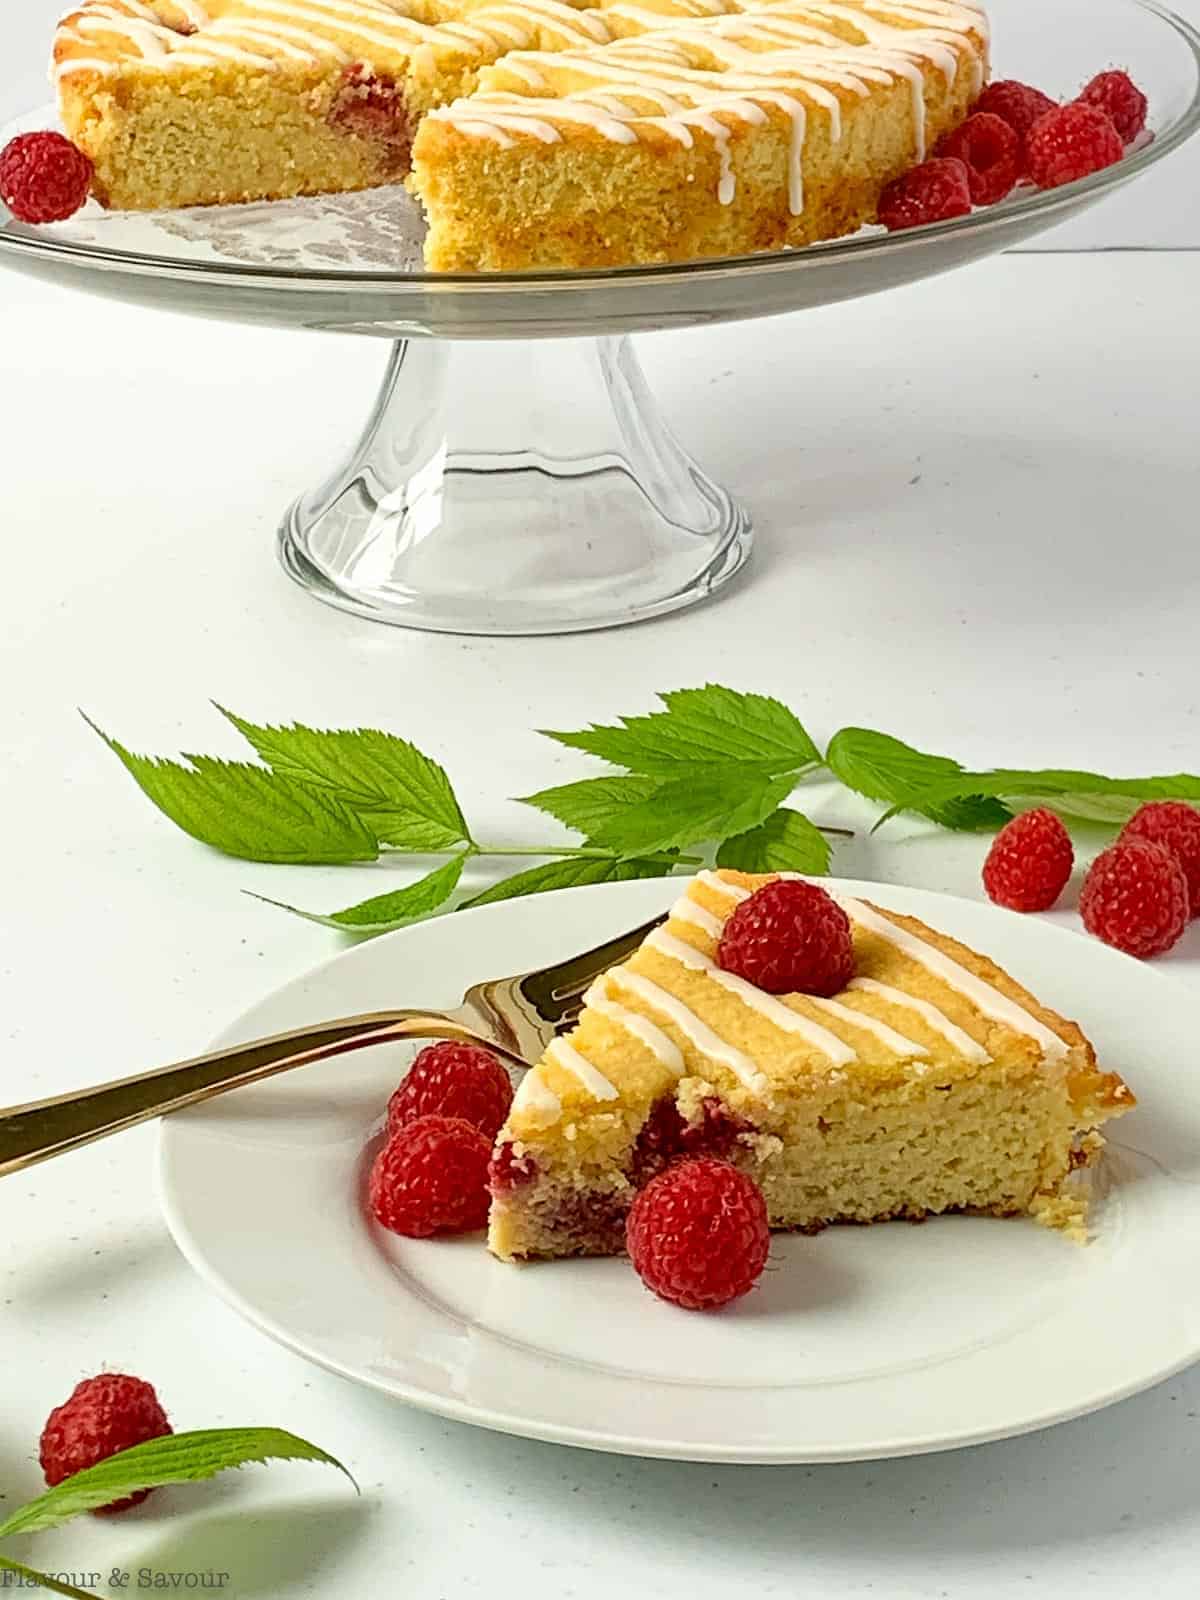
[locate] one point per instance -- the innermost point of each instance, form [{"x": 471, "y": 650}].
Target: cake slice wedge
[
  {"x": 775, "y": 126},
  {"x": 932, "y": 1083},
  {"x": 203, "y": 102}
]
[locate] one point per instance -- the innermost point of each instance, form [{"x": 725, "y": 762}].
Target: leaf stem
[{"x": 591, "y": 852}]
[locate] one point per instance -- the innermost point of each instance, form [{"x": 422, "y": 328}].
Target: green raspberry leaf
[
  {"x": 1060, "y": 787},
  {"x": 177, "y": 1458},
  {"x": 1108, "y": 810},
  {"x": 700, "y": 729},
  {"x": 593, "y": 802},
  {"x": 385, "y": 912},
  {"x": 566, "y": 874},
  {"x": 786, "y": 842},
  {"x": 886, "y": 769},
  {"x": 247, "y": 812},
  {"x": 685, "y": 811},
  {"x": 403, "y": 796}
]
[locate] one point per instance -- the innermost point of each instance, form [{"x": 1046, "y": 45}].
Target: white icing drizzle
[
  {"x": 731, "y": 891},
  {"x": 147, "y": 37},
  {"x": 686, "y": 954},
  {"x": 694, "y": 1028},
  {"x": 685, "y": 909},
  {"x": 64, "y": 69},
  {"x": 570, "y": 1060},
  {"x": 888, "y": 1037},
  {"x": 981, "y": 995},
  {"x": 302, "y": 29},
  {"x": 488, "y": 130},
  {"x": 757, "y": 999},
  {"x": 955, "y": 1036},
  {"x": 281, "y": 36},
  {"x": 660, "y": 1045},
  {"x": 537, "y": 1098}
]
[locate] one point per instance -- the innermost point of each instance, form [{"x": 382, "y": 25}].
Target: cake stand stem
[{"x": 514, "y": 488}]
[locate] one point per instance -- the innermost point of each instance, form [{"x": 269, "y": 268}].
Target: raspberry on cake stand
[{"x": 515, "y": 475}]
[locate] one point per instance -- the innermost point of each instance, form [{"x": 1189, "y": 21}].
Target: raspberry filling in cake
[
  {"x": 930, "y": 1082},
  {"x": 371, "y": 106}
]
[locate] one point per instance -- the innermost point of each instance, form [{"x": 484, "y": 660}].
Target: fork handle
[{"x": 45, "y": 1128}]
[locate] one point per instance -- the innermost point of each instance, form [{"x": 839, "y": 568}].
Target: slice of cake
[
  {"x": 932, "y": 1082},
  {"x": 198, "y": 102},
  {"x": 775, "y": 126}
]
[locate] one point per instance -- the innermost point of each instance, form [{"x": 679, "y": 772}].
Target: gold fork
[{"x": 516, "y": 1016}]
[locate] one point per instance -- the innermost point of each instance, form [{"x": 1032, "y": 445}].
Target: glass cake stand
[{"x": 515, "y": 475}]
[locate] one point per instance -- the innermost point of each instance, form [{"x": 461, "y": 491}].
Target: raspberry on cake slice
[
  {"x": 776, "y": 125},
  {"x": 930, "y": 1082}
]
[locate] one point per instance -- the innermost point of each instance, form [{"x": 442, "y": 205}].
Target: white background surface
[{"x": 1031, "y": 597}]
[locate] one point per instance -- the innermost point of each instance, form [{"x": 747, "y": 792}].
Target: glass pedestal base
[{"x": 515, "y": 488}]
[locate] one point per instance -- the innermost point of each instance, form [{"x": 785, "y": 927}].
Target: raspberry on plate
[
  {"x": 933, "y": 192},
  {"x": 1175, "y": 825},
  {"x": 432, "y": 1177},
  {"x": 1070, "y": 143},
  {"x": 453, "y": 1079},
  {"x": 789, "y": 937},
  {"x": 992, "y": 153},
  {"x": 1135, "y": 897},
  {"x": 698, "y": 1235},
  {"x": 43, "y": 177},
  {"x": 1029, "y": 863},
  {"x": 104, "y": 1415},
  {"x": 1015, "y": 103},
  {"x": 1116, "y": 94}
]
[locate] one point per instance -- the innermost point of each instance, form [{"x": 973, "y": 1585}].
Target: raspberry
[
  {"x": 1015, "y": 103},
  {"x": 1176, "y": 826},
  {"x": 992, "y": 153},
  {"x": 43, "y": 177},
  {"x": 104, "y": 1415},
  {"x": 452, "y": 1079},
  {"x": 431, "y": 1177},
  {"x": 1029, "y": 863},
  {"x": 1116, "y": 94},
  {"x": 698, "y": 1235},
  {"x": 1070, "y": 142},
  {"x": 932, "y": 192},
  {"x": 789, "y": 936},
  {"x": 1135, "y": 897}
]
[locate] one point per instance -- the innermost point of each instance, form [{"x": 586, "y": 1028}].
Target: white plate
[{"x": 862, "y": 1342}]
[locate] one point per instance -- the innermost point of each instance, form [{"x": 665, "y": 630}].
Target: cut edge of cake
[{"x": 934, "y": 1083}]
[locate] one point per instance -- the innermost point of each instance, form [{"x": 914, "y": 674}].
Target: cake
[
  {"x": 537, "y": 133},
  {"x": 775, "y": 126},
  {"x": 932, "y": 1083}
]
